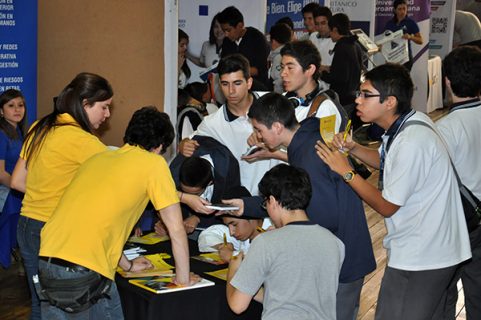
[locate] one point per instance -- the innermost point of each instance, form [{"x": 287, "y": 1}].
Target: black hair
[
  {"x": 183, "y": 98},
  {"x": 273, "y": 107},
  {"x": 233, "y": 63},
  {"x": 212, "y": 38},
  {"x": 281, "y": 32},
  {"x": 323, "y": 11},
  {"x": 392, "y": 79},
  {"x": 85, "y": 88},
  {"x": 196, "y": 90},
  {"x": 149, "y": 128},
  {"x": 305, "y": 53},
  {"x": 290, "y": 186},
  {"x": 231, "y": 16},
  {"x": 341, "y": 22},
  {"x": 286, "y": 20},
  {"x": 5, "y": 126},
  {"x": 196, "y": 172},
  {"x": 310, "y": 7},
  {"x": 185, "y": 67},
  {"x": 462, "y": 67},
  {"x": 395, "y": 4}
]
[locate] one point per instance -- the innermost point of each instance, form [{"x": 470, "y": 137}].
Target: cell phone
[
  {"x": 222, "y": 207},
  {"x": 251, "y": 150}
]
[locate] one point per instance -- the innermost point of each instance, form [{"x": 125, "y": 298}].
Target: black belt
[{"x": 66, "y": 264}]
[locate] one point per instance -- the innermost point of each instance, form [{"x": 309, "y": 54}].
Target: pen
[
  {"x": 348, "y": 127},
  {"x": 260, "y": 229},
  {"x": 225, "y": 239}
]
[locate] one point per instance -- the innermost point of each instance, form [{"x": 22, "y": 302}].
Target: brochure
[
  {"x": 151, "y": 238},
  {"x": 160, "y": 267},
  {"x": 163, "y": 284},
  {"x": 211, "y": 257}
]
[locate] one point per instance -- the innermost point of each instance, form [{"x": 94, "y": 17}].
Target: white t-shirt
[
  {"x": 214, "y": 235},
  {"x": 461, "y": 130},
  {"x": 234, "y": 135},
  {"x": 429, "y": 229},
  {"x": 208, "y": 54},
  {"x": 325, "y": 47}
]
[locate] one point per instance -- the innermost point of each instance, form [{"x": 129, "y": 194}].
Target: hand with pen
[
  {"x": 335, "y": 156},
  {"x": 226, "y": 249}
]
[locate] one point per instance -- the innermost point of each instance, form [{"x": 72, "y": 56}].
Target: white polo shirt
[
  {"x": 233, "y": 133},
  {"x": 429, "y": 229},
  {"x": 461, "y": 130}
]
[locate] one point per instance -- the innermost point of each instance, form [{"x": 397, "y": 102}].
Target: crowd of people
[{"x": 300, "y": 199}]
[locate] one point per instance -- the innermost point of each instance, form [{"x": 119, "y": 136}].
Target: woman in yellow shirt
[{"x": 54, "y": 148}]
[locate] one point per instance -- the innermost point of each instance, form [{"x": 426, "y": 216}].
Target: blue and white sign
[{"x": 18, "y": 50}]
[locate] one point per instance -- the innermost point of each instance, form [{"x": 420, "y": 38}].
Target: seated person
[
  {"x": 238, "y": 231},
  {"x": 293, "y": 270}
]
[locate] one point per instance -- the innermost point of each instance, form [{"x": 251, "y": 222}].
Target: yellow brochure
[
  {"x": 151, "y": 238},
  {"x": 160, "y": 267},
  {"x": 327, "y": 128}
]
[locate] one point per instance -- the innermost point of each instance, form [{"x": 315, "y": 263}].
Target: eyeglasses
[{"x": 366, "y": 95}]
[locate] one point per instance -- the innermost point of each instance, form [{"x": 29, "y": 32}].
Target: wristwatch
[{"x": 348, "y": 176}]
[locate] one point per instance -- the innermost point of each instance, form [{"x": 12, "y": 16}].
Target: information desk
[{"x": 203, "y": 303}]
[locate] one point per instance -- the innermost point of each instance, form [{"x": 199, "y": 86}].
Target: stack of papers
[
  {"x": 165, "y": 284},
  {"x": 133, "y": 253},
  {"x": 160, "y": 267},
  {"x": 151, "y": 238}
]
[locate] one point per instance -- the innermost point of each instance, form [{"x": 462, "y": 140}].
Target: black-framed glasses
[{"x": 365, "y": 95}]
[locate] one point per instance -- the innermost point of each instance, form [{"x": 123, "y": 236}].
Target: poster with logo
[{"x": 18, "y": 50}]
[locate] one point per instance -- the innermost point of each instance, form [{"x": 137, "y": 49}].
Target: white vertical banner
[
  {"x": 360, "y": 12},
  {"x": 442, "y": 27},
  {"x": 195, "y": 18}
]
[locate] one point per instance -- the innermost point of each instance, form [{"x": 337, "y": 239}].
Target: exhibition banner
[
  {"x": 277, "y": 9},
  {"x": 442, "y": 26},
  {"x": 419, "y": 11},
  {"x": 360, "y": 12},
  {"x": 18, "y": 50}
]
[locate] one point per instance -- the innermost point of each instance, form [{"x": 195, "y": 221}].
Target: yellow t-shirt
[
  {"x": 102, "y": 204},
  {"x": 50, "y": 171}
]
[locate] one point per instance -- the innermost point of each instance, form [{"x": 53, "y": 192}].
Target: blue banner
[
  {"x": 277, "y": 9},
  {"x": 18, "y": 50}
]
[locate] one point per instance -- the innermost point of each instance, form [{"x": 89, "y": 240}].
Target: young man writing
[
  {"x": 333, "y": 205},
  {"x": 294, "y": 269},
  {"x": 419, "y": 197}
]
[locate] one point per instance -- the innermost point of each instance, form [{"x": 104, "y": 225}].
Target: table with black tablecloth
[{"x": 202, "y": 303}]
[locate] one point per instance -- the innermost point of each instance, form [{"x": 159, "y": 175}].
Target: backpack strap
[{"x": 318, "y": 100}]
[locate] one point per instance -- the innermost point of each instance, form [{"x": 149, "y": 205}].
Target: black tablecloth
[{"x": 203, "y": 303}]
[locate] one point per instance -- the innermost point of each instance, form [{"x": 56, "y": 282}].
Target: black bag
[
  {"x": 471, "y": 208},
  {"x": 77, "y": 294}
]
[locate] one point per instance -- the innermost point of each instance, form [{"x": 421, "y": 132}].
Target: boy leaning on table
[
  {"x": 81, "y": 245},
  {"x": 293, "y": 270}
]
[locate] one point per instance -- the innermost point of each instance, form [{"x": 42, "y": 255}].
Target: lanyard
[{"x": 391, "y": 133}]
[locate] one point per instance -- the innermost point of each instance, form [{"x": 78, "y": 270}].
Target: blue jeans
[
  {"x": 106, "y": 308},
  {"x": 28, "y": 238}
]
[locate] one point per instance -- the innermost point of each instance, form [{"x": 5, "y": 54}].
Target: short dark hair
[
  {"x": 273, "y": 107},
  {"x": 396, "y": 3},
  {"x": 341, "y": 22},
  {"x": 197, "y": 89},
  {"x": 392, "y": 79},
  {"x": 305, "y": 53},
  {"x": 290, "y": 186},
  {"x": 323, "y": 11},
  {"x": 310, "y": 7},
  {"x": 286, "y": 20},
  {"x": 149, "y": 128},
  {"x": 231, "y": 15},
  {"x": 281, "y": 32},
  {"x": 233, "y": 63},
  {"x": 183, "y": 97},
  {"x": 195, "y": 172},
  {"x": 462, "y": 67}
]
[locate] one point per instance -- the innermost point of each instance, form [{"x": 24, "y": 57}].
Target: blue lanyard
[{"x": 386, "y": 143}]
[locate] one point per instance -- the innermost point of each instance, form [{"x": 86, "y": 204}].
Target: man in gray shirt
[{"x": 294, "y": 269}]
